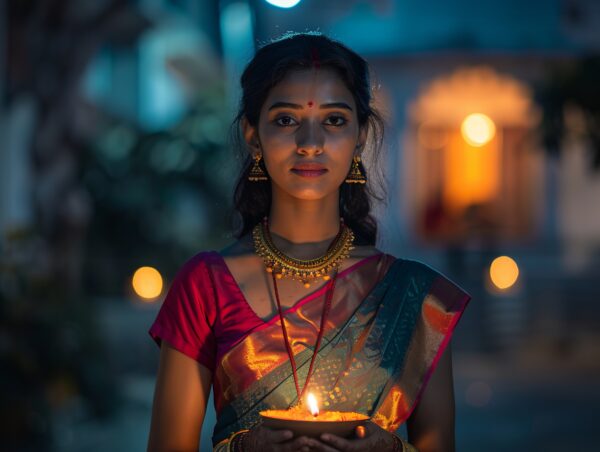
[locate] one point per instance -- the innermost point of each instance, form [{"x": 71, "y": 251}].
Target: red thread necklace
[{"x": 324, "y": 315}]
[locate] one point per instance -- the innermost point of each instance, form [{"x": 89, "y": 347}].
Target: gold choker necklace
[{"x": 301, "y": 269}]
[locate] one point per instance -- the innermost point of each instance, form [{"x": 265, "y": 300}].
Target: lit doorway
[{"x": 472, "y": 164}]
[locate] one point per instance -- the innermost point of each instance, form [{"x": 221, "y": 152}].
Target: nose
[{"x": 309, "y": 138}]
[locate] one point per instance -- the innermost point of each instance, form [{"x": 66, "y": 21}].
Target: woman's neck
[{"x": 304, "y": 229}]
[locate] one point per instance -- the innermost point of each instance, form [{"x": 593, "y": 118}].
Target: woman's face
[{"x": 308, "y": 132}]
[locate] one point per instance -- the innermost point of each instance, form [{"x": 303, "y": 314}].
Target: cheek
[
  {"x": 345, "y": 139},
  {"x": 275, "y": 140},
  {"x": 341, "y": 150},
  {"x": 343, "y": 143}
]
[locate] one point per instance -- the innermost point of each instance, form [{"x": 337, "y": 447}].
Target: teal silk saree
[{"x": 390, "y": 321}]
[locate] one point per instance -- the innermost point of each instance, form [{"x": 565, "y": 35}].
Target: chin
[
  {"x": 308, "y": 191},
  {"x": 312, "y": 193},
  {"x": 311, "y": 196}
]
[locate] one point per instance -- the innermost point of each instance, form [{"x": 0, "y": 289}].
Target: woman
[{"x": 303, "y": 301}]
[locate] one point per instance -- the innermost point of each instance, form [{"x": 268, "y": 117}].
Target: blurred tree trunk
[{"x": 50, "y": 45}]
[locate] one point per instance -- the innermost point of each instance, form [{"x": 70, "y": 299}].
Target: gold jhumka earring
[
  {"x": 256, "y": 172},
  {"x": 356, "y": 176}
]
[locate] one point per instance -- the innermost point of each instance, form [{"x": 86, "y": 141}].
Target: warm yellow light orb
[
  {"x": 504, "y": 272},
  {"x": 147, "y": 282},
  {"x": 478, "y": 129}
]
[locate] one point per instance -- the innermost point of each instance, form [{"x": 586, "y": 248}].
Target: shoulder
[
  {"x": 417, "y": 267},
  {"x": 197, "y": 273},
  {"x": 198, "y": 263},
  {"x": 240, "y": 255},
  {"x": 208, "y": 259},
  {"x": 435, "y": 283},
  {"x": 192, "y": 292}
]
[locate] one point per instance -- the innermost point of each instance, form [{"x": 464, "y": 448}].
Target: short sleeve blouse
[{"x": 204, "y": 313}]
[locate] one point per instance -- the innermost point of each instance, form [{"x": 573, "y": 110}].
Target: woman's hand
[
  {"x": 371, "y": 438},
  {"x": 263, "y": 439}
]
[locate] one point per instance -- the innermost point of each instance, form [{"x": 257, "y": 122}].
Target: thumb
[{"x": 360, "y": 431}]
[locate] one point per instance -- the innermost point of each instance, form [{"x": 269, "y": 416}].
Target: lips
[
  {"x": 309, "y": 169},
  {"x": 309, "y": 173}
]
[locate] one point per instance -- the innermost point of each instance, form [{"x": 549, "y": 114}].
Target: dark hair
[{"x": 252, "y": 200}]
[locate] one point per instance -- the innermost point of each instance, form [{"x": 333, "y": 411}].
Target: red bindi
[{"x": 310, "y": 103}]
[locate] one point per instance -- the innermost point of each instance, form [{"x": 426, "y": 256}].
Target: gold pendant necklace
[{"x": 304, "y": 270}]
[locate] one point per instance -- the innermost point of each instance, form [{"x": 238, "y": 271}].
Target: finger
[
  {"x": 302, "y": 443},
  {"x": 318, "y": 446},
  {"x": 372, "y": 428},
  {"x": 276, "y": 436},
  {"x": 337, "y": 442},
  {"x": 361, "y": 432}
]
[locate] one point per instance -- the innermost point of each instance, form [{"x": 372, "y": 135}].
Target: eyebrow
[{"x": 343, "y": 105}]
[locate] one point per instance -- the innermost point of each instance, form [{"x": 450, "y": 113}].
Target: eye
[
  {"x": 336, "y": 120},
  {"x": 284, "y": 121}
]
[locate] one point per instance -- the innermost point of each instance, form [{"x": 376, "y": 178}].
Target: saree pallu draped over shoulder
[{"x": 390, "y": 321}]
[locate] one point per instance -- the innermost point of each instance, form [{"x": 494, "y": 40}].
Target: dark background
[{"x": 114, "y": 120}]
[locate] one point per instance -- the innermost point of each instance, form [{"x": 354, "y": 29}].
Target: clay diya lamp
[{"x": 311, "y": 422}]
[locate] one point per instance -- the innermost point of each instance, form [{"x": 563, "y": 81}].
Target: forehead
[{"x": 303, "y": 85}]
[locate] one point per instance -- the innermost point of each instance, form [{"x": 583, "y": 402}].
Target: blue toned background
[{"x": 114, "y": 119}]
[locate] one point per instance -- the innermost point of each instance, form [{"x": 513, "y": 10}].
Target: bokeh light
[
  {"x": 284, "y": 3},
  {"x": 504, "y": 272},
  {"x": 478, "y": 129},
  {"x": 147, "y": 283}
]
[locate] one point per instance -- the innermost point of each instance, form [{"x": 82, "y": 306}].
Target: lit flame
[{"x": 312, "y": 404}]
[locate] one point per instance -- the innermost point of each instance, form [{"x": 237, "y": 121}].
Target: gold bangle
[
  {"x": 398, "y": 444},
  {"x": 233, "y": 435},
  {"x": 223, "y": 446}
]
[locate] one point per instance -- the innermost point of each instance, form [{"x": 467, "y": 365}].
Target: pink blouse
[{"x": 205, "y": 313}]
